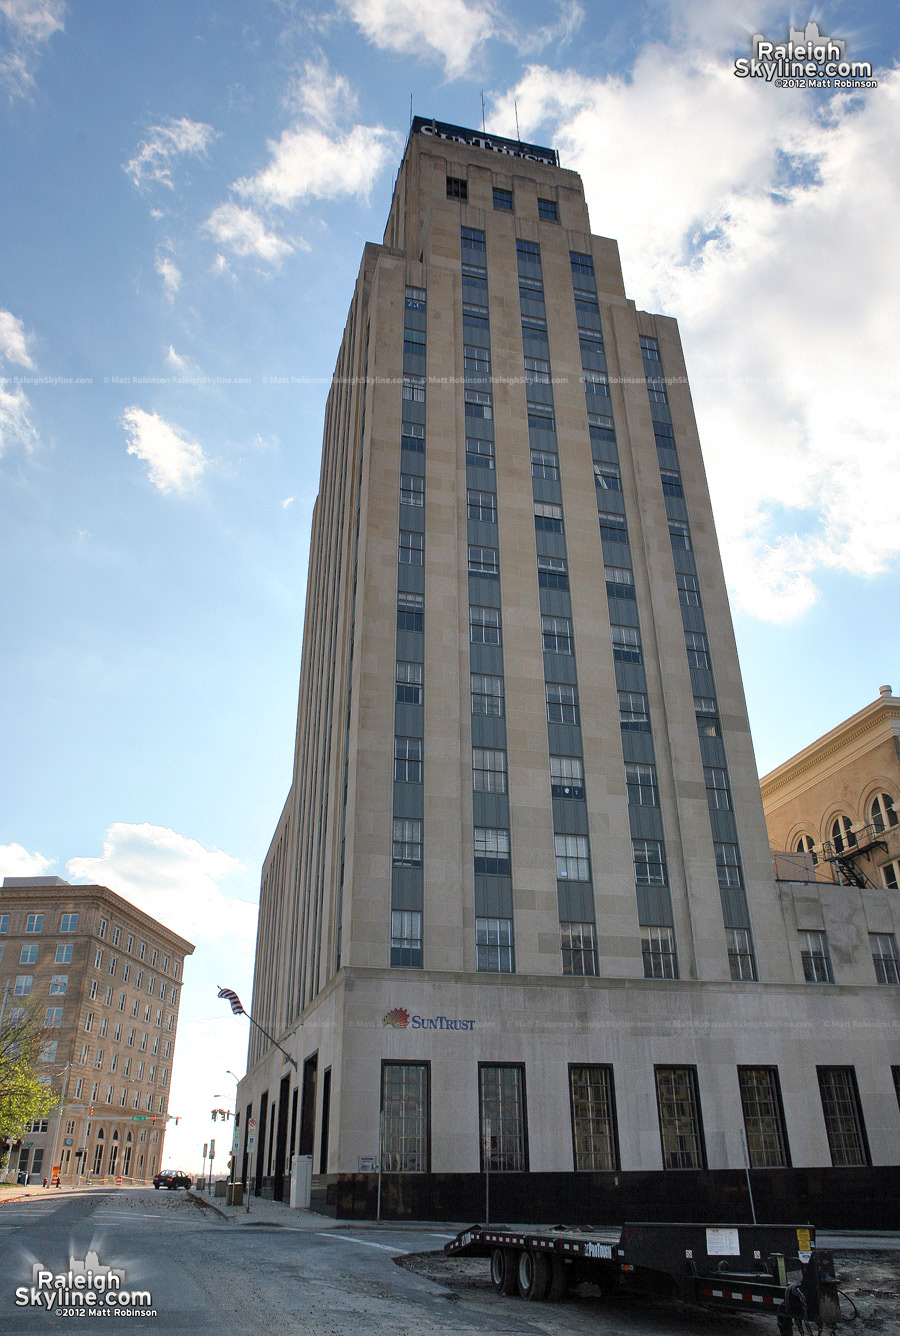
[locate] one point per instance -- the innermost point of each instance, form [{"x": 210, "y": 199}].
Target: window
[
  {"x": 697, "y": 649},
  {"x": 579, "y": 952},
  {"x": 484, "y": 626},
  {"x": 843, "y": 835},
  {"x": 479, "y": 454},
  {"x": 113, "y": 962},
  {"x": 457, "y": 188},
  {"x": 104, "y": 1026},
  {"x": 649, "y": 349},
  {"x": 131, "y": 1038},
  {"x": 596, "y": 382},
  {"x": 573, "y": 857},
  {"x": 92, "y": 991},
  {"x": 475, "y": 316},
  {"x": 405, "y": 1100},
  {"x": 807, "y": 845},
  {"x": 484, "y": 562},
  {"x": 410, "y": 677},
  {"x": 476, "y": 359},
  {"x": 680, "y": 535},
  {"x": 117, "y": 933},
  {"x": 23, "y": 985},
  {"x": 843, "y": 1116},
  {"x": 494, "y": 951},
  {"x": 642, "y": 784},
  {"x": 492, "y": 851},
  {"x": 890, "y": 873},
  {"x": 815, "y": 957},
  {"x": 488, "y": 770},
  {"x": 408, "y": 760},
  {"x": 412, "y": 437},
  {"x": 626, "y": 643},
  {"x": 544, "y": 464},
  {"x": 68, "y": 923},
  {"x": 658, "y": 953},
  {"x": 4, "y": 923},
  {"x": 594, "y": 1140},
  {"x": 883, "y": 812},
  {"x": 28, "y": 955},
  {"x": 125, "y": 971},
  {"x": 98, "y": 958},
  {"x": 406, "y": 850},
  {"x": 613, "y": 528},
  {"x": 487, "y": 694},
  {"x": 600, "y": 425},
  {"x": 64, "y": 955},
  {"x": 619, "y": 582},
  {"x": 634, "y": 712},
  {"x": 58, "y": 985},
  {"x": 537, "y": 371},
  {"x": 548, "y": 211},
  {"x": 607, "y": 477},
  {"x": 108, "y": 997},
  {"x": 553, "y": 572},
  {"x": 728, "y": 865},
  {"x": 763, "y": 1117},
  {"x": 414, "y": 388},
  {"x": 707, "y": 712},
  {"x": 501, "y": 1099},
  {"x": 101, "y": 927},
  {"x": 481, "y": 506},
  {"x": 478, "y": 404},
  {"x": 671, "y": 482},
  {"x": 410, "y": 611},
  {"x": 34, "y": 923},
  {"x": 121, "y": 1001},
  {"x": 89, "y": 1021},
  {"x": 503, "y": 199},
  {"x": 415, "y": 299},
  {"x": 529, "y": 251},
  {"x": 741, "y": 960},
  {"x": 649, "y": 862},
  {"x": 414, "y": 342},
  {"x": 548, "y": 517},
  {"x": 412, "y": 490},
  {"x": 884, "y": 957},
  {"x": 406, "y": 939},
  {"x": 717, "y": 791},
  {"x": 129, "y": 943},
  {"x": 562, "y": 703},
  {"x": 47, "y": 1054},
  {"x": 556, "y": 633},
  {"x": 142, "y": 951},
  {"x": 688, "y": 590},
  {"x": 566, "y": 777},
  {"x": 680, "y": 1128},
  {"x": 581, "y": 264},
  {"x": 472, "y": 238},
  {"x": 656, "y": 390}
]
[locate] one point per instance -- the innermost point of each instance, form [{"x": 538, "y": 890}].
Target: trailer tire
[
  {"x": 533, "y": 1274},
  {"x": 559, "y": 1278},
  {"x": 503, "y": 1271}
]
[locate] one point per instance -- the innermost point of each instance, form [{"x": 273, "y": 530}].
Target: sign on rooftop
[{"x": 513, "y": 148}]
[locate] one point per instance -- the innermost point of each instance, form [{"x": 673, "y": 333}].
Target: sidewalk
[{"x": 273, "y": 1213}]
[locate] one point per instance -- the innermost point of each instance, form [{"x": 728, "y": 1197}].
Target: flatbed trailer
[{"x": 749, "y": 1268}]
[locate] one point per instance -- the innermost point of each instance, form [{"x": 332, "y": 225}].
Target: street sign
[
  {"x": 205, "y": 1149},
  {"x": 212, "y": 1148},
  {"x": 251, "y": 1122},
  {"x": 68, "y": 1141},
  {"x": 250, "y": 1141},
  {"x": 139, "y": 1117}
]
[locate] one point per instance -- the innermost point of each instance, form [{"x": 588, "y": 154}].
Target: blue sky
[{"x": 186, "y": 192}]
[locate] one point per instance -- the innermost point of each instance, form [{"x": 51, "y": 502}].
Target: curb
[{"x": 208, "y": 1205}]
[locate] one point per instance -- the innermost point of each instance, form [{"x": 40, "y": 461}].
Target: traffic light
[
  {"x": 90, "y": 1110},
  {"x": 176, "y": 1122},
  {"x": 153, "y": 1118}
]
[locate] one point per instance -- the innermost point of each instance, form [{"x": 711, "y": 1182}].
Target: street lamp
[{"x": 237, "y": 1082}]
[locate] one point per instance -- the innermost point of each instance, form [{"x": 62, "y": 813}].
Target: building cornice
[
  {"x": 880, "y": 712},
  {"x": 69, "y": 893}
]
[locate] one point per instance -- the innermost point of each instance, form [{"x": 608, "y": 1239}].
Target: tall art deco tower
[{"x": 519, "y": 911}]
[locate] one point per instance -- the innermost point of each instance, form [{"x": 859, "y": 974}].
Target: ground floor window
[
  {"x": 843, "y": 1116},
  {"x": 501, "y": 1101},
  {"x": 678, "y": 1103},
  {"x": 763, "y": 1117},
  {"x": 593, "y": 1118},
  {"x": 405, "y": 1117}
]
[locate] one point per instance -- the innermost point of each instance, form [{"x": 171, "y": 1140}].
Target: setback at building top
[{"x": 514, "y": 148}]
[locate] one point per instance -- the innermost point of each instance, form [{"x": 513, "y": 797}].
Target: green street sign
[{"x": 138, "y": 1117}]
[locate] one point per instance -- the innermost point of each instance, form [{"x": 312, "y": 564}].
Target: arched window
[
  {"x": 883, "y": 812},
  {"x": 806, "y": 845},
  {"x": 842, "y": 834}
]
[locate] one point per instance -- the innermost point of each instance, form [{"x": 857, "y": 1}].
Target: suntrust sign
[
  {"x": 513, "y": 148},
  {"x": 400, "y": 1019}
]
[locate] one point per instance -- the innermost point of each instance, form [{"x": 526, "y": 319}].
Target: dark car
[{"x": 171, "y": 1178}]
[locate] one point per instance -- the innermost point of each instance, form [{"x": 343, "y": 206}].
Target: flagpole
[{"x": 242, "y": 1012}]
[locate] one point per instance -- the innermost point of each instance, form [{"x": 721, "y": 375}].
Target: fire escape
[{"x": 848, "y": 850}]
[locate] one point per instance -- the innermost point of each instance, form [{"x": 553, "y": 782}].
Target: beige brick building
[
  {"x": 519, "y": 913},
  {"x": 105, "y": 980}
]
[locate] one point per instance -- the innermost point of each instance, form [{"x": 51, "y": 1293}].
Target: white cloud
[
  {"x": 182, "y": 366},
  {"x": 322, "y": 95},
  {"x": 761, "y": 222},
  {"x": 16, "y": 427},
  {"x": 288, "y": 500},
  {"x": 18, "y": 862},
  {"x": 169, "y": 273},
  {"x": 175, "y": 462},
  {"x": 245, "y": 233},
  {"x": 28, "y": 25},
  {"x": 451, "y": 30},
  {"x": 172, "y": 877},
  {"x": 164, "y": 145},
  {"x": 14, "y": 340},
  {"x": 306, "y": 163}
]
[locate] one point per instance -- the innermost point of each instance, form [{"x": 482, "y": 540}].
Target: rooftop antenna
[
  {"x": 483, "y": 126},
  {"x": 516, "y": 105},
  {"x": 410, "y": 109}
]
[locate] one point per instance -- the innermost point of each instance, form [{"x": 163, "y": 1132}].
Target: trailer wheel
[
  {"x": 503, "y": 1271},
  {"x": 559, "y": 1278},
  {"x": 533, "y": 1274}
]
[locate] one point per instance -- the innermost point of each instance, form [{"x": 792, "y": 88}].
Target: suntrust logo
[
  {"x": 808, "y": 59},
  {"x": 400, "y": 1019}
]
